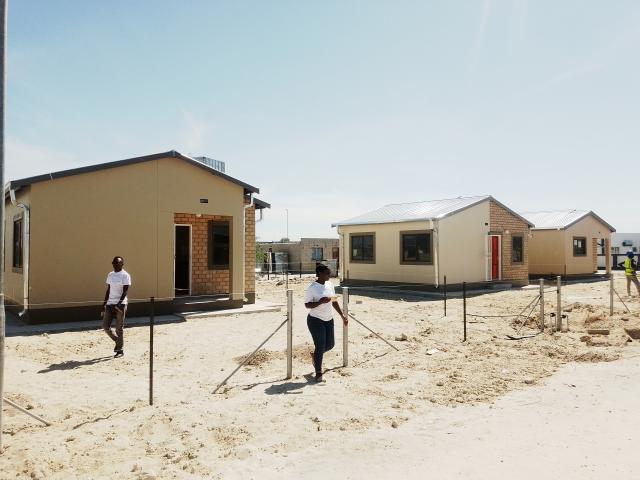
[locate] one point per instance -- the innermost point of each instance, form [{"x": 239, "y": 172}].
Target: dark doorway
[{"x": 183, "y": 260}]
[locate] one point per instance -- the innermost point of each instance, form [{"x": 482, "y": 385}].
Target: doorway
[
  {"x": 495, "y": 257},
  {"x": 182, "y": 260}
]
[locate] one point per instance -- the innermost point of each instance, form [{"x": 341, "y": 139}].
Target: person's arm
[
  {"x": 337, "y": 308},
  {"x": 106, "y": 295},
  {"x": 318, "y": 303},
  {"x": 125, "y": 289}
]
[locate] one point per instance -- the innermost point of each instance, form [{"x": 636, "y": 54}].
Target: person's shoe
[
  {"x": 119, "y": 353},
  {"x": 319, "y": 378}
]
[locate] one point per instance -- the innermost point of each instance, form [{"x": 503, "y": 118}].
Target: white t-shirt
[
  {"x": 314, "y": 293},
  {"x": 116, "y": 282}
]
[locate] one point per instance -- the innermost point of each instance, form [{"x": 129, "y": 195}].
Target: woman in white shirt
[{"x": 319, "y": 298}]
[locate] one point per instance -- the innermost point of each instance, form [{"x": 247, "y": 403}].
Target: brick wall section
[
  {"x": 501, "y": 221},
  {"x": 594, "y": 254},
  {"x": 250, "y": 253},
  {"x": 203, "y": 280}
]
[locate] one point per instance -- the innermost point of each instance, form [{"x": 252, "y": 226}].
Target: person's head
[
  {"x": 630, "y": 254},
  {"x": 117, "y": 263},
  {"x": 323, "y": 272}
]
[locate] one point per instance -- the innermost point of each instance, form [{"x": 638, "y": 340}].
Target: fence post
[
  {"x": 345, "y": 328},
  {"x": 445, "y": 295},
  {"x": 289, "y": 333},
  {"x": 300, "y": 269},
  {"x": 559, "y": 305},
  {"x": 464, "y": 309},
  {"x": 542, "y": 304},
  {"x": 611, "y": 290},
  {"x": 151, "y": 323},
  {"x": 287, "y": 277}
]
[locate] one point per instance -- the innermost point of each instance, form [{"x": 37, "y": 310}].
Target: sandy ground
[{"x": 433, "y": 406}]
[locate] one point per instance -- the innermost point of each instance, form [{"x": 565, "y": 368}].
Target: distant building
[
  {"x": 621, "y": 243},
  {"x": 303, "y": 255}
]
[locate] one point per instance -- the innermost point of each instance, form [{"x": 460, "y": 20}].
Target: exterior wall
[
  {"x": 593, "y": 230},
  {"x": 14, "y": 279},
  {"x": 547, "y": 252},
  {"x": 300, "y": 252},
  {"x": 250, "y": 253},
  {"x": 387, "y": 265},
  {"x": 462, "y": 245},
  {"x": 203, "y": 280},
  {"x": 508, "y": 225},
  {"x": 79, "y": 223}
]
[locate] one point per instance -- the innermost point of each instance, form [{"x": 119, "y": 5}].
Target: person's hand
[{"x": 325, "y": 300}]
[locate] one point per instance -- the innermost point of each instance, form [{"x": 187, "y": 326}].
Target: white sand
[{"x": 384, "y": 403}]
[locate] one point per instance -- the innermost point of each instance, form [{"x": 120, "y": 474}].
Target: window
[
  {"x": 316, "y": 253},
  {"x": 579, "y": 246},
  {"x": 517, "y": 249},
  {"x": 17, "y": 243},
  {"x": 219, "y": 245},
  {"x": 415, "y": 247},
  {"x": 363, "y": 248},
  {"x": 615, "y": 249}
]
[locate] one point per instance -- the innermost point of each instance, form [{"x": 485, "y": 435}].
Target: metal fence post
[
  {"x": 542, "y": 304},
  {"x": 289, "y": 333},
  {"x": 445, "y": 295},
  {"x": 345, "y": 328},
  {"x": 151, "y": 323},
  {"x": 611, "y": 290},
  {"x": 300, "y": 271},
  {"x": 559, "y": 305},
  {"x": 464, "y": 309}
]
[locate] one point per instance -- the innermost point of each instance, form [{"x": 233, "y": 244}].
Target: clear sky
[{"x": 335, "y": 108}]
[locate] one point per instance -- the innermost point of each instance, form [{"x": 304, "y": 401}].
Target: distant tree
[
  {"x": 284, "y": 240},
  {"x": 261, "y": 254}
]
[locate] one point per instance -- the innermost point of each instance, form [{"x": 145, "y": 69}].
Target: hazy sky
[{"x": 335, "y": 108}]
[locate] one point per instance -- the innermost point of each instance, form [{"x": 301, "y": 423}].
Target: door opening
[
  {"x": 182, "y": 256},
  {"x": 495, "y": 257}
]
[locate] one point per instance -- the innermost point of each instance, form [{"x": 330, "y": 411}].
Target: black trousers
[{"x": 323, "y": 339}]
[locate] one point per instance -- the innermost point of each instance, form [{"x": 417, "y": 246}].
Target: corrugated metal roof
[
  {"x": 407, "y": 212},
  {"x": 560, "y": 219}
]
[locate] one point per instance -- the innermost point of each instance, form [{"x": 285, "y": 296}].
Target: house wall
[
  {"x": 509, "y": 225},
  {"x": 547, "y": 252},
  {"x": 250, "y": 253},
  {"x": 462, "y": 245},
  {"x": 14, "y": 279},
  {"x": 79, "y": 223},
  {"x": 593, "y": 230},
  {"x": 306, "y": 249}
]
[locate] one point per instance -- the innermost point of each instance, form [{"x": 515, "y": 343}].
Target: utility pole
[
  {"x": 287, "y": 210},
  {"x": 3, "y": 83}
]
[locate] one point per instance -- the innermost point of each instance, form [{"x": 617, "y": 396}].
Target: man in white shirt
[
  {"x": 115, "y": 303},
  {"x": 319, "y": 298}
]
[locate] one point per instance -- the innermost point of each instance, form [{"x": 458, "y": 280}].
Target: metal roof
[
  {"x": 560, "y": 219},
  {"x": 15, "y": 184},
  {"x": 260, "y": 204},
  {"x": 416, "y": 211}
]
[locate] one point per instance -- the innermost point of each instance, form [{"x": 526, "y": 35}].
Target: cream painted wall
[
  {"x": 463, "y": 245},
  {"x": 462, "y": 250},
  {"x": 590, "y": 228},
  {"x": 387, "y": 245},
  {"x": 547, "y": 252},
  {"x": 80, "y": 222},
  {"x": 13, "y": 281}
]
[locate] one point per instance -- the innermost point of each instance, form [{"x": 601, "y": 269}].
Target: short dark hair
[
  {"x": 322, "y": 268},
  {"x": 115, "y": 259}
]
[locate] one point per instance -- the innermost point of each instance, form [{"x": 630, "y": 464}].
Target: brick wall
[
  {"x": 203, "y": 280},
  {"x": 250, "y": 253},
  {"x": 594, "y": 254},
  {"x": 502, "y": 221}
]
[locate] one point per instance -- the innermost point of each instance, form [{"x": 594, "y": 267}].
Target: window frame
[
  {"x": 313, "y": 250},
  {"x": 521, "y": 237},
  {"x": 362, "y": 234},
  {"x": 404, "y": 233},
  {"x": 584, "y": 239},
  {"x": 17, "y": 261},
  {"x": 210, "y": 245}
]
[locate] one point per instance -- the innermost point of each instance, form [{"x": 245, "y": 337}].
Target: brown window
[
  {"x": 219, "y": 245},
  {"x": 579, "y": 246},
  {"x": 517, "y": 249},
  {"x": 17, "y": 243},
  {"x": 415, "y": 247},
  {"x": 363, "y": 248}
]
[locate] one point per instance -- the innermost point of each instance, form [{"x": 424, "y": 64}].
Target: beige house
[
  {"x": 466, "y": 239},
  {"x": 566, "y": 242},
  {"x": 185, "y": 230},
  {"x": 303, "y": 255}
]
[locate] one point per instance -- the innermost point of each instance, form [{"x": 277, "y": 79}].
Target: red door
[{"x": 495, "y": 258}]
